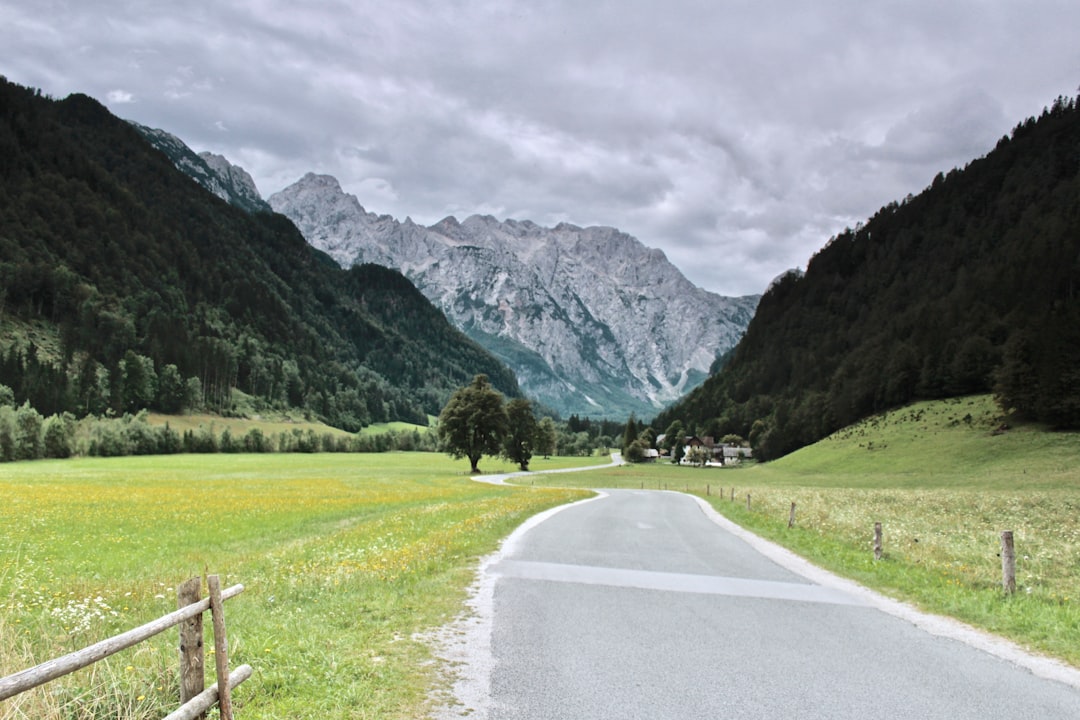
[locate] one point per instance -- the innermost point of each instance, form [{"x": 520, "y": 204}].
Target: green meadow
[
  {"x": 271, "y": 425},
  {"x": 944, "y": 479},
  {"x": 346, "y": 560}
]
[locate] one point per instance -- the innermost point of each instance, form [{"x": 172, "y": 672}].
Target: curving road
[{"x": 643, "y": 605}]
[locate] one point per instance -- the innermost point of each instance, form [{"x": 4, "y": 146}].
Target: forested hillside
[
  {"x": 124, "y": 285},
  {"x": 972, "y": 286}
]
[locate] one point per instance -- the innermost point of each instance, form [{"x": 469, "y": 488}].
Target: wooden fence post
[
  {"x": 747, "y": 502},
  {"x": 732, "y": 494},
  {"x": 877, "y": 541},
  {"x": 1008, "y": 562},
  {"x": 190, "y": 651},
  {"x": 192, "y": 669},
  {"x": 708, "y": 489},
  {"x": 221, "y": 648},
  {"x": 791, "y": 517}
]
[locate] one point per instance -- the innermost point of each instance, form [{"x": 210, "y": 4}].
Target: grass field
[
  {"x": 268, "y": 425},
  {"x": 345, "y": 559},
  {"x": 944, "y": 481}
]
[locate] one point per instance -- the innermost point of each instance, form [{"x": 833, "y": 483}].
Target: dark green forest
[
  {"x": 159, "y": 295},
  {"x": 969, "y": 287}
]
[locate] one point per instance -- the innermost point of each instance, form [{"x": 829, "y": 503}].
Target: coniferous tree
[{"x": 630, "y": 433}]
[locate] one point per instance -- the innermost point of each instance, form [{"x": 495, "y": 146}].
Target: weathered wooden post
[
  {"x": 747, "y": 502},
  {"x": 708, "y": 489},
  {"x": 791, "y": 517},
  {"x": 877, "y": 541},
  {"x": 221, "y": 648},
  {"x": 732, "y": 494},
  {"x": 1008, "y": 562},
  {"x": 192, "y": 669}
]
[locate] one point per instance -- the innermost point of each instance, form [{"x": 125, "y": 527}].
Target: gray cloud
[{"x": 737, "y": 136}]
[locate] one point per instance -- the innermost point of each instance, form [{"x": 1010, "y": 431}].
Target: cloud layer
[{"x": 737, "y": 136}]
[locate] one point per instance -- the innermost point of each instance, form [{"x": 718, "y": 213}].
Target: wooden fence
[
  {"x": 1008, "y": 551},
  {"x": 195, "y": 699}
]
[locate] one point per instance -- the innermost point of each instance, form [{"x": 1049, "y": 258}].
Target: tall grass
[{"x": 345, "y": 559}]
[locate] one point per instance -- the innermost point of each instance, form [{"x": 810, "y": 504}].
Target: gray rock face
[
  {"x": 592, "y": 322},
  {"x": 229, "y": 182}
]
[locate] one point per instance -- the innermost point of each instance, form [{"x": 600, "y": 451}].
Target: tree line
[{"x": 26, "y": 434}]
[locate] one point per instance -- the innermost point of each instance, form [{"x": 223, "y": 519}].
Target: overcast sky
[{"x": 737, "y": 136}]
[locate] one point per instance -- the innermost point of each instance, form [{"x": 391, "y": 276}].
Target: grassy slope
[
  {"x": 345, "y": 558},
  {"x": 268, "y": 425},
  {"x": 944, "y": 487},
  {"x": 935, "y": 445}
]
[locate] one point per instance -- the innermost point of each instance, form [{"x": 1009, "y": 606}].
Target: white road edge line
[
  {"x": 465, "y": 644},
  {"x": 938, "y": 625}
]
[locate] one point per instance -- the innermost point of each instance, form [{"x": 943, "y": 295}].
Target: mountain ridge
[
  {"x": 591, "y": 321},
  {"x": 229, "y": 182},
  {"x": 968, "y": 287},
  {"x": 164, "y": 296}
]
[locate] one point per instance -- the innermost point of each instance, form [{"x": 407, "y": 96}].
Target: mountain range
[
  {"x": 591, "y": 321},
  {"x": 124, "y": 286}
]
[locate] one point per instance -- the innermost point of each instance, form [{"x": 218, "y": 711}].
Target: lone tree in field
[
  {"x": 521, "y": 439},
  {"x": 474, "y": 422}
]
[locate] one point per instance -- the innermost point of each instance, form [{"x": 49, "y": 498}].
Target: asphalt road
[{"x": 639, "y": 605}]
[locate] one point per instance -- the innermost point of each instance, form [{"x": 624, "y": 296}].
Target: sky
[{"x": 737, "y": 136}]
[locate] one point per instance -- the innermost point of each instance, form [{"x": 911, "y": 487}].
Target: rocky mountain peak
[
  {"x": 591, "y": 320},
  {"x": 229, "y": 182}
]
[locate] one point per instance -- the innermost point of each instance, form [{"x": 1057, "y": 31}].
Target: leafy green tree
[
  {"x": 474, "y": 422},
  {"x": 93, "y": 389},
  {"x": 138, "y": 382},
  {"x": 673, "y": 440},
  {"x": 59, "y": 436},
  {"x": 193, "y": 395},
  {"x": 546, "y": 437},
  {"x": 521, "y": 437},
  {"x": 7, "y": 433},
  {"x": 171, "y": 391},
  {"x": 699, "y": 456},
  {"x": 28, "y": 422},
  {"x": 634, "y": 452},
  {"x": 7, "y": 396}
]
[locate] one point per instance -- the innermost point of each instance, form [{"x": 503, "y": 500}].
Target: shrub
[
  {"x": 28, "y": 443},
  {"x": 59, "y": 436}
]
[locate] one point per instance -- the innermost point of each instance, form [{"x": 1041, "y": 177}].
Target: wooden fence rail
[{"x": 193, "y": 706}]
